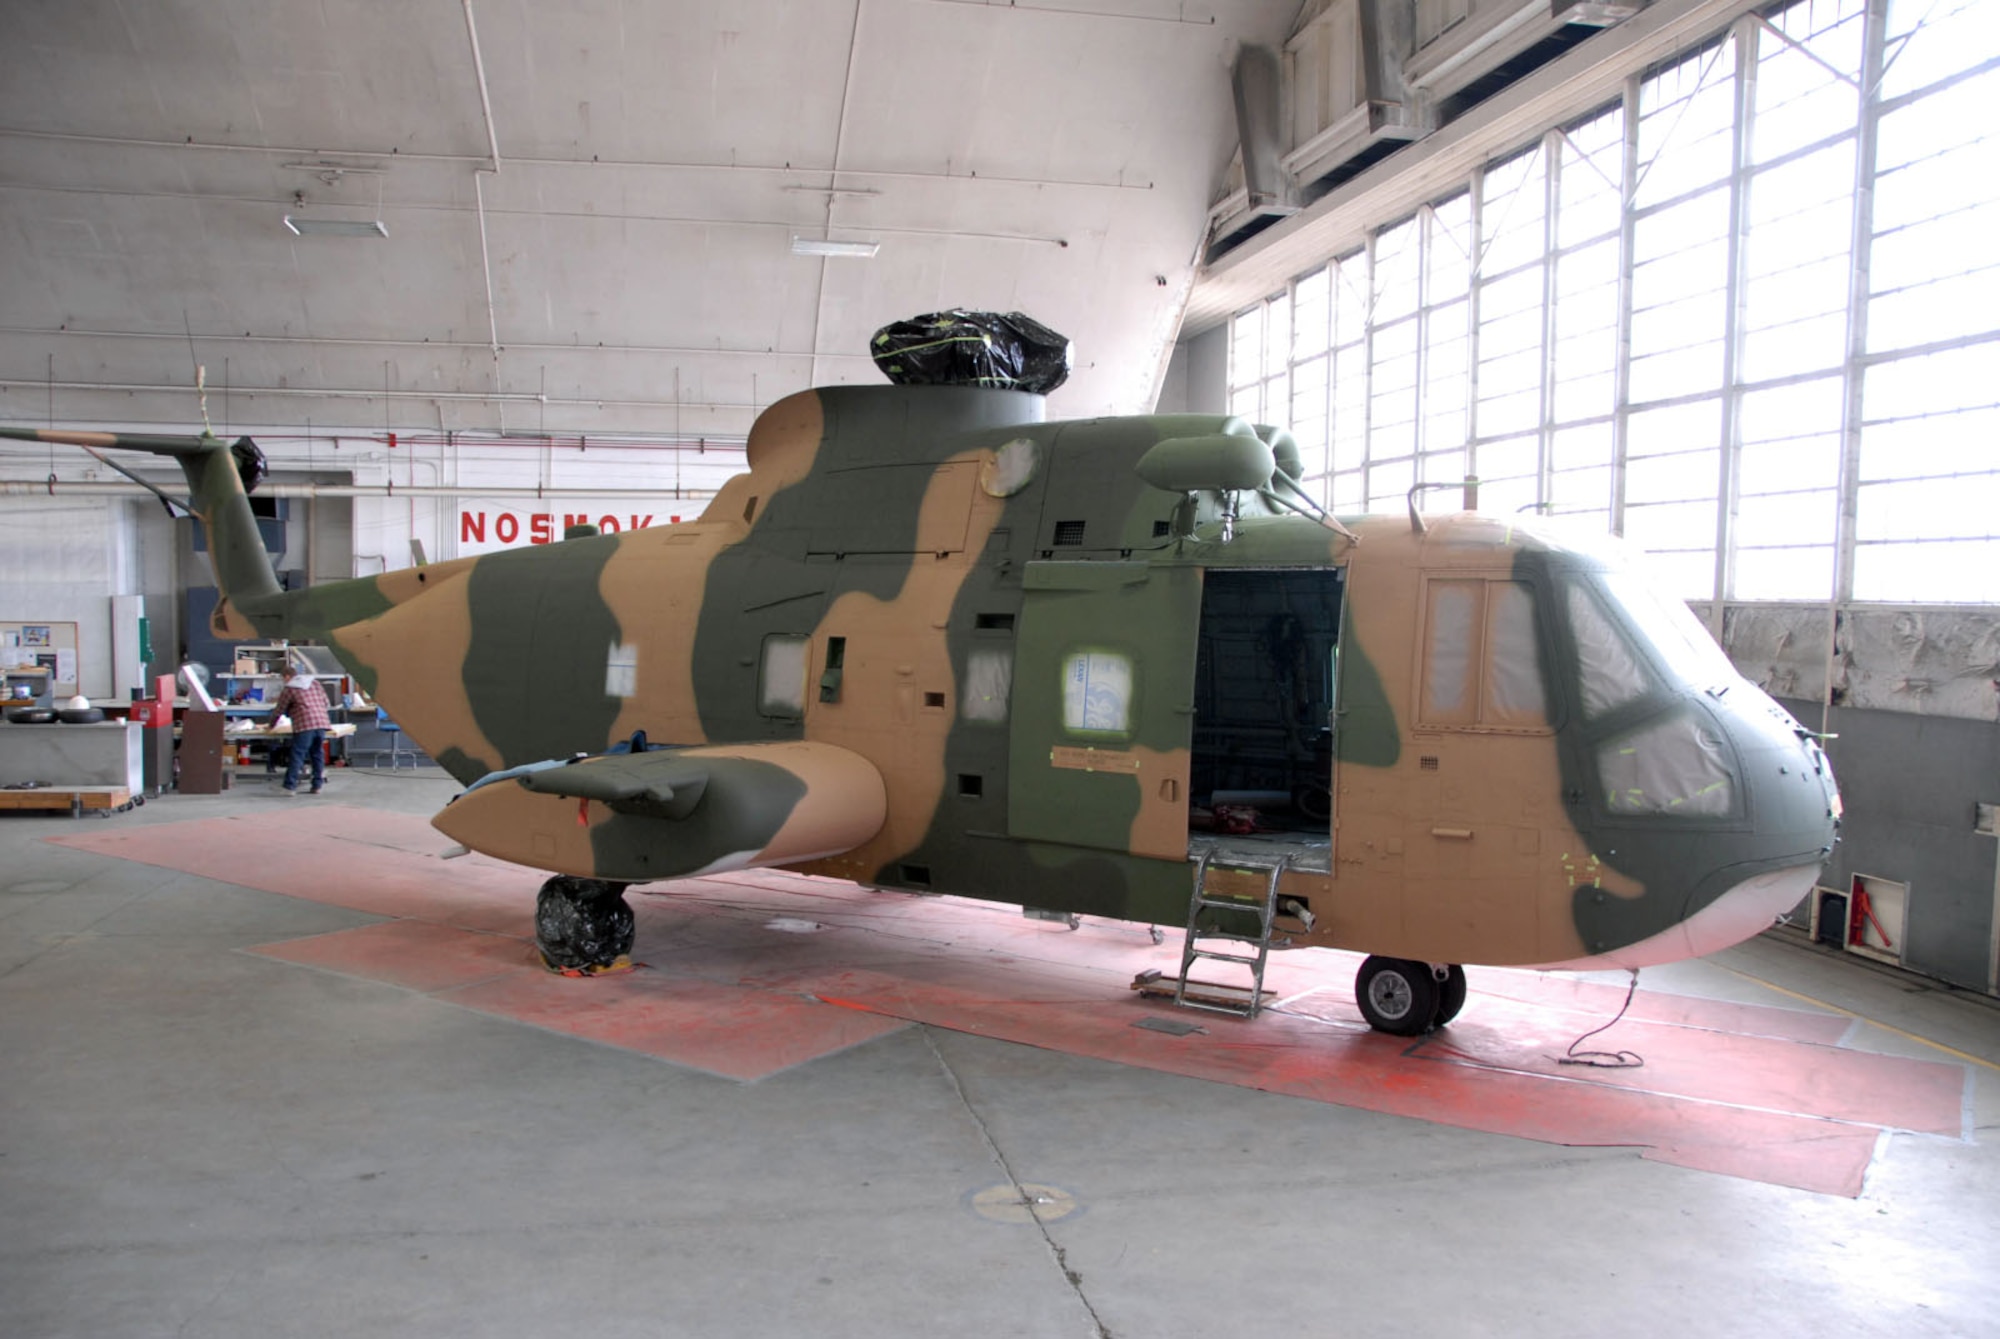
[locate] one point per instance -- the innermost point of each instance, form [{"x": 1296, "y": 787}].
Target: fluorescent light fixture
[
  {"x": 336, "y": 227},
  {"x": 814, "y": 246},
  {"x": 337, "y": 169}
]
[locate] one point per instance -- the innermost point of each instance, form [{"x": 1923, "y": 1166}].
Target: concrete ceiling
[{"x": 619, "y": 228}]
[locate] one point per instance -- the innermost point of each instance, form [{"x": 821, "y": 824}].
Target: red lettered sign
[{"x": 486, "y": 527}]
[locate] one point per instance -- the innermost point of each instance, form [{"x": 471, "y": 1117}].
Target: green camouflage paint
[
  {"x": 745, "y": 803},
  {"x": 535, "y": 668},
  {"x": 862, "y": 496}
]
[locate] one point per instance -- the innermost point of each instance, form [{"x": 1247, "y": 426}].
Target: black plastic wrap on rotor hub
[
  {"x": 967, "y": 348},
  {"x": 249, "y": 463},
  {"x": 582, "y": 923}
]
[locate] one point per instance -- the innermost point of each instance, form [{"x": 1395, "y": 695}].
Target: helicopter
[{"x": 1122, "y": 667}]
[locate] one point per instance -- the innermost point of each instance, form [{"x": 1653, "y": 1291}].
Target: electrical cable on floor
[{"x": 1606, "y": 1059}]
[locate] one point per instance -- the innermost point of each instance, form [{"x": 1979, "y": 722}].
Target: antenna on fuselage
[
  {"x": 1312, "y": 511},
  {"x": 1471, "y": 497}
]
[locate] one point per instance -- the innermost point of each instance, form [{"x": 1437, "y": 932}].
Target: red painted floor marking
[
  {"x": 415, "y": 955},
  {"x": 1748, "y": 1090},
  {"x": 729, "y": 1030},
  {"x": 344, "y": 857},
  {"x": 733, "y": 1031},
  {"x": 1359, "y": 1068},
  {"x": 1600, "y": 1001},
  {"x": 1716, "y": 1066}
]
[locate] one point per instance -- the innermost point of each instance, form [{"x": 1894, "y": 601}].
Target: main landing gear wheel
[
  {"x": 583, "y": 925},
  {"x": 1408, "y": 998}
]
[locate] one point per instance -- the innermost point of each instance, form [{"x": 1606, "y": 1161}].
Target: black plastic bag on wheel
[
  {"x": 967, "y": 348},
  {"x": 582, "y": 923}
]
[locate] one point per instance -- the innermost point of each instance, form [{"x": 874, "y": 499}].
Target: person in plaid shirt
[{"x": 305, "y": 703}]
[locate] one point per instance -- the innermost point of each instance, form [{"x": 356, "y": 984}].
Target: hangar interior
[{"x": 1714, "y": 276}]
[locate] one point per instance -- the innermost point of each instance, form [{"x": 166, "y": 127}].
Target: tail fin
[{"x": 216, "y": 473}]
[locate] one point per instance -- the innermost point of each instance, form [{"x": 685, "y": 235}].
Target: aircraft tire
[
  {"x": 1397, "y": 996},
  {"x": 582, "y": 925},
  {"x": 1451, "y": 995}
]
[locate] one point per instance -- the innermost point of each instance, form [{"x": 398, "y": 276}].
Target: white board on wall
[{"x": 47, "y": 643}]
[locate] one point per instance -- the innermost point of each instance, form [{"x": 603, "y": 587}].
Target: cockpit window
[
  {"x": 1454, "y": 639},
  {"x": 1674, "y": 768},
  {"x": 1513, "y": 657},
  {"x": 1611, "y": 675},
  {"x": 1482, "y": 657},
  {"x": 1674, "y": 631}
]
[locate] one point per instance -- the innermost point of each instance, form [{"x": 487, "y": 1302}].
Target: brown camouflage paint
[
  {"x": 409, "y": 652},
  {"x": 899, "y": 690}
]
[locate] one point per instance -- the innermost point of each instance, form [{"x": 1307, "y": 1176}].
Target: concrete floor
[{"x": 196, "y": 1140}]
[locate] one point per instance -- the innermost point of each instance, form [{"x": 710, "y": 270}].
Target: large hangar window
[{"x": 1747, "y": 315}]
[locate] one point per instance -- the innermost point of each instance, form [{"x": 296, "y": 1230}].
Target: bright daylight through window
[{"x": 1747, "y": 316}]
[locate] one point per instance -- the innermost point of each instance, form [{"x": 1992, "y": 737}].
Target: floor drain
[{"x": 1024, "y": 1203}]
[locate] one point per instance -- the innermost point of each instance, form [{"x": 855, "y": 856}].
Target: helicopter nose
[
  {"x": 1823, "y": 767},
  {"x": 1795, "y": 800},
  {"x": 1794, "y": 812},
  {"x": 1746, "y": 909}
]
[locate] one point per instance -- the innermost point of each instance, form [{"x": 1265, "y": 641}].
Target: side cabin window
[
  {"x": 1482, "y": 657},
  {"x": 1097, "y": 694},
  {"x": 781, "y": 676},
  {"x": 989, "y": 679}
]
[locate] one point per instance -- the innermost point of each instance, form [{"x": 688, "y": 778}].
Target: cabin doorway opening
[{"x": 1267, "y": 674}]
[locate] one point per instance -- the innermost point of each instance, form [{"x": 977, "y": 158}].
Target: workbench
[
  {"x": 73, "y": 767},
  {"x": 268, "y": 736}
]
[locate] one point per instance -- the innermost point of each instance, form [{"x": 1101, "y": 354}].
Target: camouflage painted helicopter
[{"x": 931, "y": 642}]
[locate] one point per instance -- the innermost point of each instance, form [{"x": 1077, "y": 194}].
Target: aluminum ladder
[{"x": 1265, "y": 912}]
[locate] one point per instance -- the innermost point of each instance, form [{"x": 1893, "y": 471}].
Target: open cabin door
[
  {"x": 1267, "y": 686},
  {"x": 1103, "y": 706}
]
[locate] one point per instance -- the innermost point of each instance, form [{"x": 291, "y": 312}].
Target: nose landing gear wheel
[
  {"x": 1406, "y": 998},
  {"x": 1396, "y": 995},
  {"x": 1451, "y": 995},
  {"x": 583, "y": 925}
]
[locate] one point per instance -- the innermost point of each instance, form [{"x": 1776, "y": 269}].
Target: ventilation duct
[{"x": 1267, "y": 194}]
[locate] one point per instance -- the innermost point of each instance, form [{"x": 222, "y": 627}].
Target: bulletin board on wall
[{"x": 49, "y": 644}]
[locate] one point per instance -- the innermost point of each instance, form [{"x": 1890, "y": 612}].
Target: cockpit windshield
[
  {"x": 1614, "y": 616},
  {"x": 1672, "y": 630},
  {"x": 1608, "y": 672},
  {"x": 1672, "y": 765}
]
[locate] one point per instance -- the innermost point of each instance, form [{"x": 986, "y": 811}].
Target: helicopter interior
[{"x": 1266, "y": 670}]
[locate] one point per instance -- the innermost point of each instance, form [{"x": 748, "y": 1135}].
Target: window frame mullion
[
  {"x": 1744, "y": 88},
  {"x": 1628, "y": 254},
  {"x": 1846, "y": 524}
]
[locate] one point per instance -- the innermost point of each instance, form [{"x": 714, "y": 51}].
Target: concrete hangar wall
[{"x": 1702, "y": 283}]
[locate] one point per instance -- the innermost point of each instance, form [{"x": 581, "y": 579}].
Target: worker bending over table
[{"x": 303, "y": 701}]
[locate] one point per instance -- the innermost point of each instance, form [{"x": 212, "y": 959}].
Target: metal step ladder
[{"x": 1212, "y": 996}]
